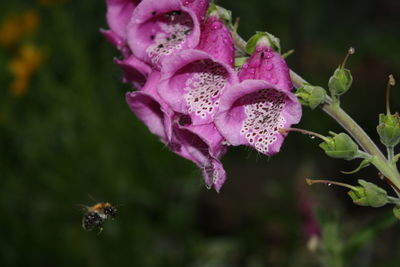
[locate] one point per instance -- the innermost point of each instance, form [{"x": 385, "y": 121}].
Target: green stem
[
  {"x": 393, "y": 200},
  {"x": 390, "y": 153},
  {"x": 339, "y": 115}
]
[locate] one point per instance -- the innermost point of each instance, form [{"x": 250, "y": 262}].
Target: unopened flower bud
[
  {"x": 368, "y": 194},
  {"x": 269, "y": 39},
  {"x": 389, "y": 124},
  {"x": 340, "y": 146},
  {"x": 389, "y": 129},
  {"x": 341, "y": 80},
  {"x": 311, "y": 96}
]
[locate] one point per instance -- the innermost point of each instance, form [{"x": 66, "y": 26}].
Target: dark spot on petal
[
  {"x": 153, "y": 13},
  {"x": 152, "y": 37}
]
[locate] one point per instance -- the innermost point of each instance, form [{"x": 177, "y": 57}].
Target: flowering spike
[
  {"x": 193, "y": 82},
  {"x": 216, "y": 39},
  {"x": 161, "y": 28},
  {"x": 151, "y": 109}
]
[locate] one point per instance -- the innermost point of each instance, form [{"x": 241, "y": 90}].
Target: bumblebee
[{"x": 96, "y": 215}]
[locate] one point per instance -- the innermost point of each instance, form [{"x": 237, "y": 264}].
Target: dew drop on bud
[{"x": 351, "y": 51}]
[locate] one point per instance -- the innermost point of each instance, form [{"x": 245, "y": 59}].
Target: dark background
[{"x": 69, "y": 134}]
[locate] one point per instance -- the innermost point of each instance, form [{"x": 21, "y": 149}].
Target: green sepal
[
  {"x": 340, "y": 146},
  {"x": 363, "y": 164},
  {"x": 340, "y": 82},
  {"x": 271, "y": 40},
  {"x": 239, "y": 61},
  {"x": 368, "y": 194},
  {"x": 223, "y": 14},
  {"x": 389, "y": 129},
  {"x": 311, "y": 96}
]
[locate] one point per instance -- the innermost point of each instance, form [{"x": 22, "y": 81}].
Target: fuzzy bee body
[{"x": 96, "y": 215}]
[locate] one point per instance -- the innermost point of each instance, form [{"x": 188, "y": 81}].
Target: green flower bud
[
  {"x": 340, "y": 146},
  {"x": 389, "y": 129},
  {"x": 341, "y": 80},
  {"x": 368, "y": 194},
  {"x": 224, "y": 14},
  {"x": 311, "y": 96},
  {"x": 271, "y": 40},
  {"x": 396, "y": 212}
]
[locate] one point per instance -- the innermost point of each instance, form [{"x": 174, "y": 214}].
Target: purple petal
[
  {"x": 253, "y": 112},
  {"x": 135, "y": 70},
  {"x": 151, "y": 109},
  {"x": 193, "y": 82},
  {"x": 119, "y": 13},
  {"x": 216, "y": 39},
  {"x": 202, "y": 145},
  {"x": 199, "y": 7},
  {"x": 268, "y": 65},
  {"x": 117, "y": 41},
  {"x": 161, "y": 28}
]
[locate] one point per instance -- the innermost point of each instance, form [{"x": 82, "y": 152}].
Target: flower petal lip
[
  {"x": 268, "y": 65},
  {"x": 151, "y": 109},
  {"x": 216, "y": 39},
  {"x": 199, "y": 7},
  {"x": 161, "y": 28},
  {"x": 119, "y": 13},
  {"x": 203, "y": 146},
  {"x": 177, "y": 75},
  {"x": 135, "y": 71},
  {"x": 231, "y": 118}
]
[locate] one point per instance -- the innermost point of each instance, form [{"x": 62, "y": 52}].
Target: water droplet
[
  {"x": 329, "y": 184},
  {"x": 269, "y": 55},
  {"x": 312, "y": 136},
  {"x": 216, "y": 25},
  {"x": 269, "y": 66}
]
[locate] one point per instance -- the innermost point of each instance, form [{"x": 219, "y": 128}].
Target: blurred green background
[{"x": 67, "y": 133}]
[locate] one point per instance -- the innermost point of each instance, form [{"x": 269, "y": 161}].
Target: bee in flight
[{"x": 96, "y": 215}]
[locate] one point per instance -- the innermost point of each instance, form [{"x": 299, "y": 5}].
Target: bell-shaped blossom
[
  {"x": 161, "y": 28},
  {"x": 253, "y": 112},
  {"x": 216, "y": 39},
  {"x": 135, "y": 71},
  {"x": 151, "y": 109},
  {"x": 203, "y": 145},
  {"x": 119, "y": 13},
  {"x": 268, "y": 65},
  {"x": 193, "y": 80}
]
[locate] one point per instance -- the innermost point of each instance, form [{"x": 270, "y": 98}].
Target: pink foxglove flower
[
  {"x": 151, "y": 109},
  {"x": 201, "y": 144},
  {"x": 159, "y": 28},
  {"x": 253, "y": 112},
  {"x": 135, "y": 71},
  {"x": 194, "y": 80},
  {"x": 119, "y": 13}
]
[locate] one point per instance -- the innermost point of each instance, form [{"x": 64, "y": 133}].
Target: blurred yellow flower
[
  {"x": 23, "y": 66},
  {"x": 15, "y": 27}
]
